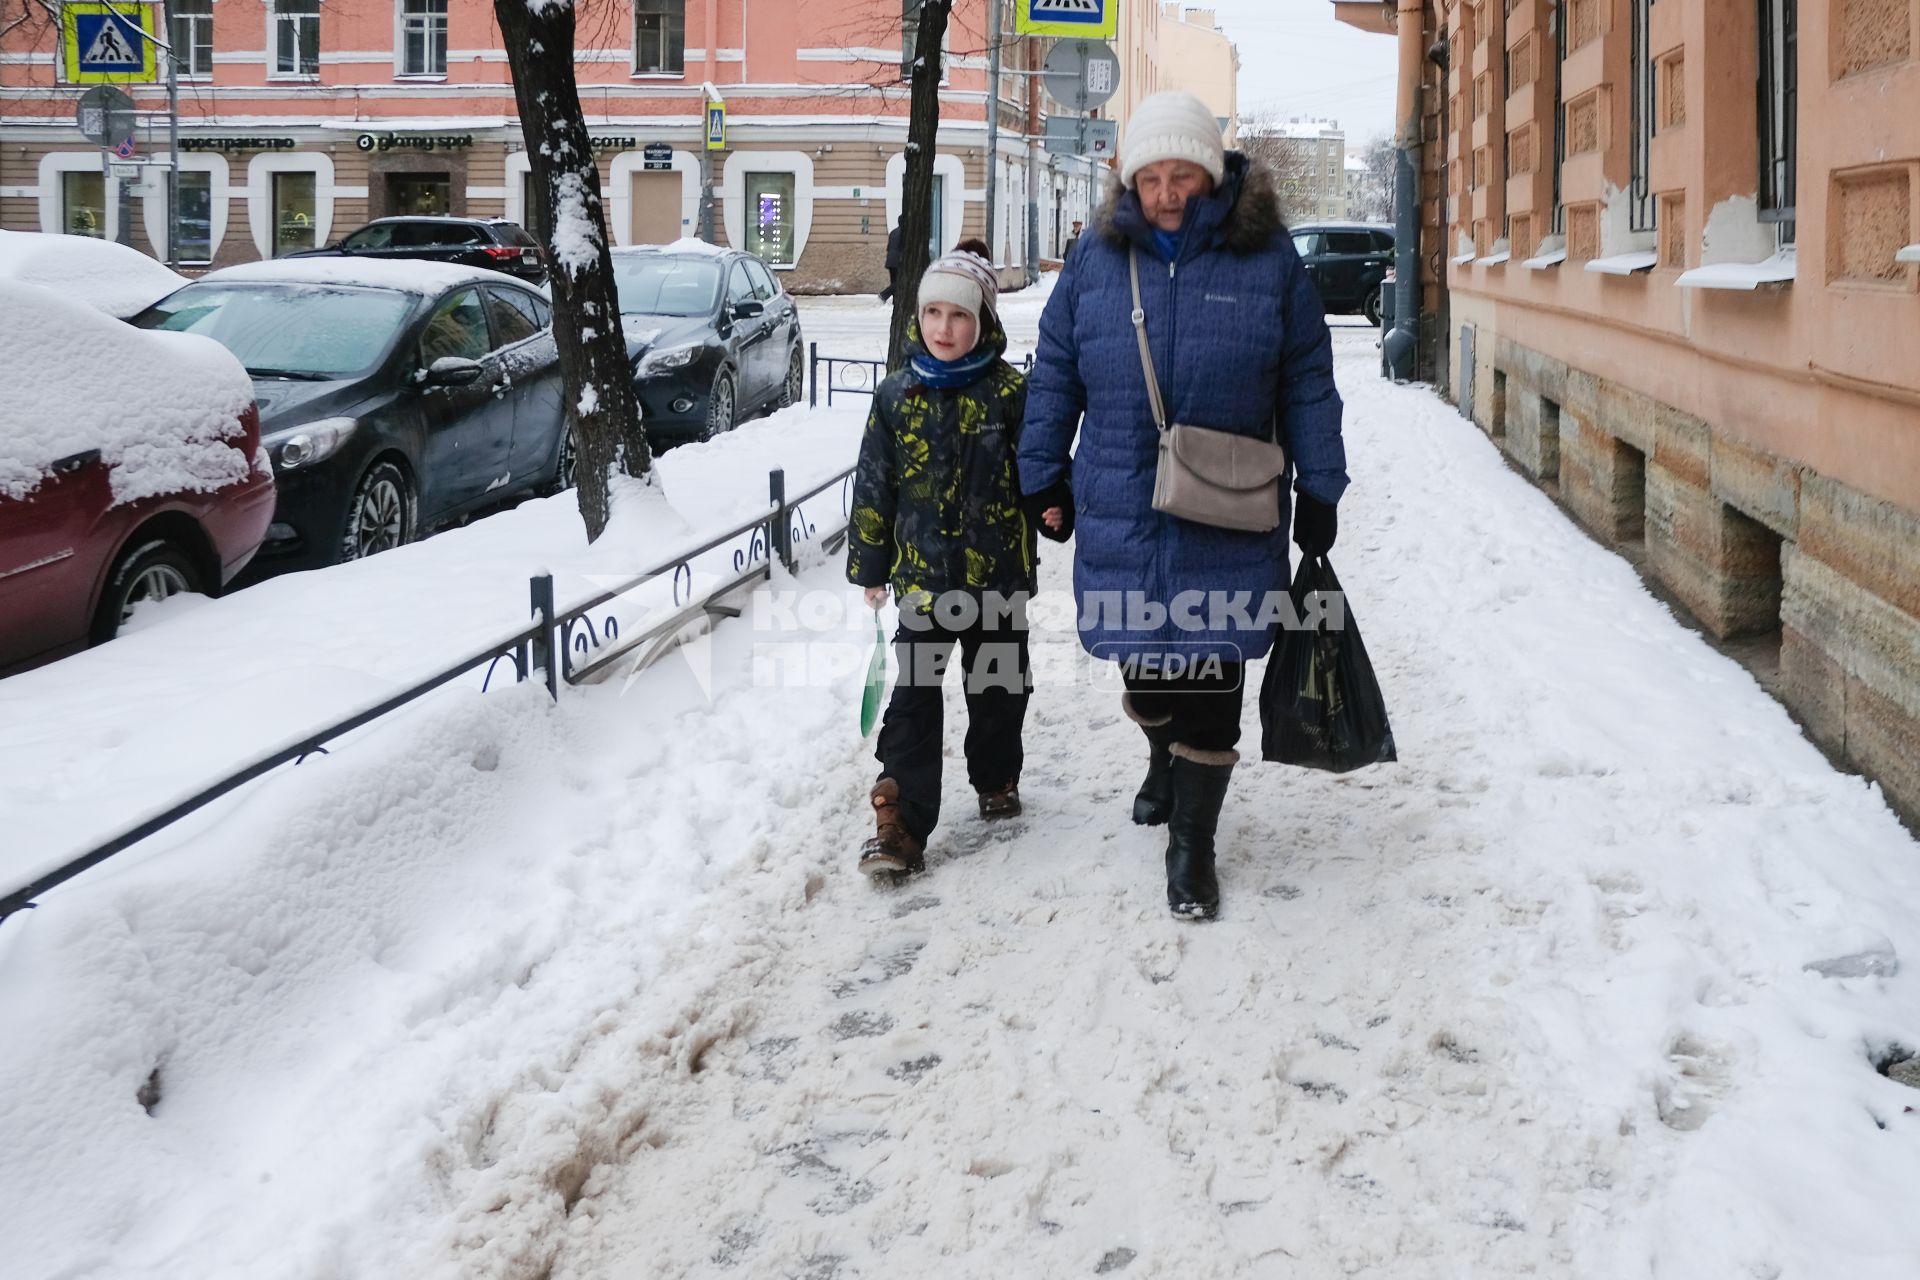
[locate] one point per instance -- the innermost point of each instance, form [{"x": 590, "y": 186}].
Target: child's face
[{"x": 950, "y": 331}]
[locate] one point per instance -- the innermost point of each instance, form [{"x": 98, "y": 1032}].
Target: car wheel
[
  {"x": 566, "y": 465},
  {"x": 152, "y": 570},
  {"x": 721, "y": 408},
  {"x": 1371, "y": 307},
  {"x": 796, "y": 383},
  {"x": 381, "y": 514}
]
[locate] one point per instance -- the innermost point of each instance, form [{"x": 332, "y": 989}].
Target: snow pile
[
  {"x": 160, "y": 407},
  {"x": 405, "y": 275},
  {"x": 688, "y": 244},
  {"x": 109, "y": 277}
]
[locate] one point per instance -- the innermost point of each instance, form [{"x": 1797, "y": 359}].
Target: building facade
[
  {"x": 1309, "y": 163},
  {"x": 1681, "y": 253},
  {"x": 1196, "y": 55},
  {"x": 301, "y": 120}
]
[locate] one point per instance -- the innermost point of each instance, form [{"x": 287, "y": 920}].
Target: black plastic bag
[{"x": 1320, "y": 706}]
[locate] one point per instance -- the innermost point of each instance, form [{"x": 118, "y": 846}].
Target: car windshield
[
  {"x": 661, "y": 286},
  {"x": 287, "y": 330}
]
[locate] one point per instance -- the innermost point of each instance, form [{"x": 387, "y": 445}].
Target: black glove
[
  {"x": 1315, "y": 525},
  {"x": 1058, "y": 494}
]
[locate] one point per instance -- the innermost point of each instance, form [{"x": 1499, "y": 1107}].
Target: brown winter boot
[
  {"x": 1004, "y": 803},
  {"x": 892, "y": 850}
]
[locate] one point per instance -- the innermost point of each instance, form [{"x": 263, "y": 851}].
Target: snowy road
[{"x": 594, "y": 992}]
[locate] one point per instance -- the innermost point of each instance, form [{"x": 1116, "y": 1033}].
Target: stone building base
[{"x": 1752, "y": 544}]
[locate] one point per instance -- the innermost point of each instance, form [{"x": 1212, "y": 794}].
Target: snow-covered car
[
  {"x": 712, "y": 337},
  {"x": 394, "y": 396},
  {"x": 113, "y": 278},
  {"x": 130, "y": 470}
]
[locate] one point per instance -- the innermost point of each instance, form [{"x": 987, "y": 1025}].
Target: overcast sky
[{"x": 1296, "y": 60}]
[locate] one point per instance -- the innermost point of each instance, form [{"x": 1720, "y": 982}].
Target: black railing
[
  {"x": 562, "y": 645},
  {"x": 849, "y": 375}
]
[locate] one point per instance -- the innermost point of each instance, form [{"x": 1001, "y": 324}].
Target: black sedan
[
  {"x": 393, "y": 396},
  {"x": 712, "y": 336},
  {"x": 493, "y": 243}
]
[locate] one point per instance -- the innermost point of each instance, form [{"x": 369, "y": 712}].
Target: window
[
  {"x": 83, "y": 209},
  {"x": 910, "y": 36},
  {"x": 423, "y": 37},
  {"x": 294, "y": 210},
  {"x": 296, "y": 37},
  {"x": 1306, "y": 243},
  {"x": 769, "y": 217},
  {"x": 763, "y": 286},
  {"x": 739, "y": 287},
  {"x": 533, "y": 210},
  {"x": 937, "y": 219},
  {"x": 1779, "y": 112},
  {"x": 192, "y": 36},
  {"x": 368, "y": 239},
  {"x": 195, "y": 234},
  {"x": 659, "y": 37},
  {"x": 458, "y": 328},
  {"x": 1641, "y": 208},
  {"x": 1355, "y": 242},
  {"x": 512, "y": 318},
  {"x": 421, "y": 194}
]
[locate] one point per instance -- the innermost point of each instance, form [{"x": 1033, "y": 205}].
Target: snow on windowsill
[
  {"x": 1909, "y": 254},
  {"x": 1461, "y": 259},
  {"x": 1624, "y": 264},
  {"x": 1546, "y": 260},
  {"x": 1777, "y": 270},
  {"x": 1494, "y": 259}
]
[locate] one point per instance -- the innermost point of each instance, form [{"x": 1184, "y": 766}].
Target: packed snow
[
  {"x": 405, "y": 275},
  {"x": 160, "y": 407},
  {"x": 115, "y": 278},
  {"x": 509, "y": 989}
]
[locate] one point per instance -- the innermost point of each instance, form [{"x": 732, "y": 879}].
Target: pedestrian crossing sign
[
  {"x": 1081, "y": 19},
  {"x": 108, "y": 42}
]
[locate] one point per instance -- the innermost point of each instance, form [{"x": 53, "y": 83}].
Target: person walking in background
[
  {"x": 937, "y": 517},
  {"x": 1072, "y": 240},
  {"x": 893, "y": 259},
  {"x": 1238, "y": 344}
]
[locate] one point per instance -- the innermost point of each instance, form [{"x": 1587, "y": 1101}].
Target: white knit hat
[
  {"x": 962, "y": 279},
  {"x": 1172, "y": 125}
]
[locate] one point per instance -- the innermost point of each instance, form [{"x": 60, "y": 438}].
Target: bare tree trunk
[
  {"x": 601, "y": 409},
  {"x": 916, "y": 192}
]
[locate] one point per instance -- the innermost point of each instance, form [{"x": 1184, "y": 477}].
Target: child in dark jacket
[{"x": 937, "y": 517}]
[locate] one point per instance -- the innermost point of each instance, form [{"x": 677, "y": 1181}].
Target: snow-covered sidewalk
[{"x": 593, "y": 991}]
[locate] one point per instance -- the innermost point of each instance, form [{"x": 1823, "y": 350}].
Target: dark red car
[{"x": 175, "y": 496}]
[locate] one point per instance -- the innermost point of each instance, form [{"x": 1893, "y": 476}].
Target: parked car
[
  {"x": 1347, "y": 261},
  {"x": 131, "y": 469},
  {"x": 116, "y": 279},
  {"x": 394, "y": 396},
  {"x": 712, "y": 336},
  {"x": 493, "y": 243}
]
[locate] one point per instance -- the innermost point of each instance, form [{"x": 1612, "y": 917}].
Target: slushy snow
[{"x": 508, "y": 989}]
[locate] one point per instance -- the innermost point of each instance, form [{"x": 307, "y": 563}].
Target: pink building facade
[{"x": 302, "y": 119}]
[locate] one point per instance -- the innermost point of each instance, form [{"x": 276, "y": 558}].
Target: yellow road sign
[{"x": 108, "y": 43}]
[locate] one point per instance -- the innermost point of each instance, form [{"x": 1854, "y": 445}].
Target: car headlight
[
  {"x": 312, "y": 442},
  {"x": 669, "y": 359}
]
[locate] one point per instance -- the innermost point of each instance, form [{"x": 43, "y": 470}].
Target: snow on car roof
[
  {"x": 408, "y": 275},
  {"x": 109, "y": 277},
  {"x": 158, "y": 406},
  {"x": 685, "y": 246}
]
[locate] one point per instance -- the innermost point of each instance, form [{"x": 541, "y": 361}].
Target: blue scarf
[
  {"x": 944, "y": 375},
  {"x": 1168, "y": 242}
]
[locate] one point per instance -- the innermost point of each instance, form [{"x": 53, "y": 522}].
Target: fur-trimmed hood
[{"x": 1249, "y": 225}]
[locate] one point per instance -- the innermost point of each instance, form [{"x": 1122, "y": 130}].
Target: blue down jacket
[{"x": 1240, "y": 343}]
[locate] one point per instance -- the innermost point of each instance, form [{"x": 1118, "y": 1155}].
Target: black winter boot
[
  {"x": 1199, "y": 787},
  {"x": 1154, "y": 803}
]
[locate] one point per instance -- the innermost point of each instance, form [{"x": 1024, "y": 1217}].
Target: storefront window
[
  {"x": 770, "y": 219},
  {"x": 84, "y": 204},
  {"x": 196, "y": 216},
  {"x": 293, "y": 212},
  {"x": 533, "y": 209},
  {"x": 425, "y": 194}
]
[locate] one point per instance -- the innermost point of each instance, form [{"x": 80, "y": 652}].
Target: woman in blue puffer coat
[{"x": 1239, "y": 343}]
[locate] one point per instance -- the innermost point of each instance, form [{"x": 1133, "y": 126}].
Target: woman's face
[
  {"x": 1166, "y": 186},
  {"x": 949, "y": 331}
]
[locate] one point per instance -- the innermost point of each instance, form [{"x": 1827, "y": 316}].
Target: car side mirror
[
  {"x": 748, "y": 310},
  {"x": 450, "y": 371}
]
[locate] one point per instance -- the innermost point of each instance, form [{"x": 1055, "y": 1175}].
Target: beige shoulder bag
[{"x": 1210, "y": 477}]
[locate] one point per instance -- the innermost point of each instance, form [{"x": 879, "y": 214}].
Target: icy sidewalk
[{"x": 594, "y": 991}]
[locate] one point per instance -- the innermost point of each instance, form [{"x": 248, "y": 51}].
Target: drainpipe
[
  {"x": 708, "y": 94},
  {"x": 1401, "y": 347}
]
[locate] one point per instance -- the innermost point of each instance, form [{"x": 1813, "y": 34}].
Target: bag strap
[{"x": 1146, "y": 352}]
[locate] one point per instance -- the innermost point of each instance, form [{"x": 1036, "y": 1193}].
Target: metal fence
[
  {"x": 852, "y": 376},
  {"x": 571, "y": 645}
]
